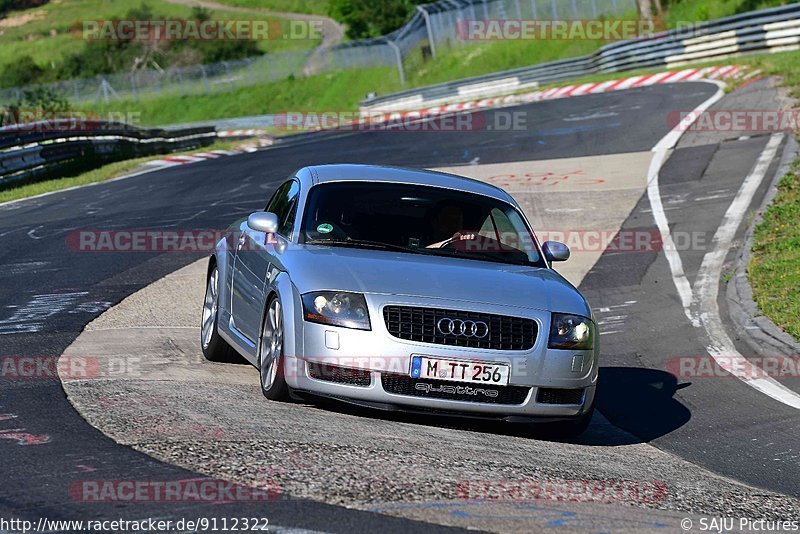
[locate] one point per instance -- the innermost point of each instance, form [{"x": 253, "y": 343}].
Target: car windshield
[{"x": 418, "y": 219}]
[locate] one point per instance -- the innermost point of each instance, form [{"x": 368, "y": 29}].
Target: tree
[{"x": 369, "y": 18}]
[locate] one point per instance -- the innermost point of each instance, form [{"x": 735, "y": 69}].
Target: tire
[
  {"x": 215, "y": 349},
  {"x": 270, "y": 354},
  {"x": 571, "y": 429}
]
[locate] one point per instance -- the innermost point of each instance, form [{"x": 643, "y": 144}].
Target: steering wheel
[{"x": 458, "y": 236}]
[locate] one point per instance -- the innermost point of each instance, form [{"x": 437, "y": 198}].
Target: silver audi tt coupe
[{"x": 403, "y": 289}]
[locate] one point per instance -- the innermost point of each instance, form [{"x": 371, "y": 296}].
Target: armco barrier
[
  {"x": 47, "y": 148},
  {"x": 769, "y": 30}
]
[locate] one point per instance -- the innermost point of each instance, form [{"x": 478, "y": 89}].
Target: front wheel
[
  {"x": 270, "y": 357},
  {"x": 215, "y": 349}
]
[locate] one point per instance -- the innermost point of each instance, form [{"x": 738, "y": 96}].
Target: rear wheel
[
  {"x": 270, "y": 357},
  {"x": 215, "y": 348}
]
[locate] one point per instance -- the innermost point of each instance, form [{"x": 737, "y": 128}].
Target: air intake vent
[
  {"x": 559, "y": 396},
  {"x": 339, "y": 375}
]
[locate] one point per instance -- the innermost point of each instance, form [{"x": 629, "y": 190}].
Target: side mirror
[
  {"x": 263, "y": 221},
  {"x": 555, "y": 251}
]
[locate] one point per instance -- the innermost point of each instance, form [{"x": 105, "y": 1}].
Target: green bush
[{"x": 22, "y": 72}]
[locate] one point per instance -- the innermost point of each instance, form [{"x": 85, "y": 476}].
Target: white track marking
[
  {"x": 701, "y": 308},
  {"x": 721, "y": 348},
  {"x": 654, "y": 195}
]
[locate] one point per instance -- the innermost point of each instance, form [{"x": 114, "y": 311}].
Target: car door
[{"x": 253, "y": 257}]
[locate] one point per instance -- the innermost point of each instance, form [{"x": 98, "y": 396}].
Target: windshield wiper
[{"x": 360, "y": 243}]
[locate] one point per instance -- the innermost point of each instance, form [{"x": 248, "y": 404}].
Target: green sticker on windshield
[{"x": 324, "y": 228}]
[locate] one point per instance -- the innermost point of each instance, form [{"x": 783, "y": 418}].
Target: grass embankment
[
  {"x": 342, "y": 90},
  {"x": 311, "y": 7},
  {"x": 100, "y": 174},
  {"x": 774, "y": 269}
]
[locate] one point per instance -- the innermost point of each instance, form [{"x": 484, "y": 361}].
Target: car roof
[{"x": 378, "y": 173}]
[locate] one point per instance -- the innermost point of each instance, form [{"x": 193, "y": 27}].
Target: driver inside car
[{"x": 448, "y": 226}]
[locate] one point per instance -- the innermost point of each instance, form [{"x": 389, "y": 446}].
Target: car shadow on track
[
  {"x": 641, "y": 401},
  {"x": 635, "y": 405}
]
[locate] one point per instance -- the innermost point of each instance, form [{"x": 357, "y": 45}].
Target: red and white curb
[
  {"x": 241, "y": 133},
  {"x": 171, "y": 161},
  {"x": 674, "y": 76}
]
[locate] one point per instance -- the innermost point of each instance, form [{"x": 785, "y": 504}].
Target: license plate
[{"x": 460, "y": 370}]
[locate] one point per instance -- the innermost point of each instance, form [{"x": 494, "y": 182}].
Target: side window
[
  {"x": 284, "y": 205},
  {"x": 499, "y": 225}
]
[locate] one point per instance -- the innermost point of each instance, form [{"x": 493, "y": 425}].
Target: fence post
[
  {"x": 399, "y": 58},
  {"x": 133, "y": 86},
  {"x": 555, "y": 9},
  {"x": 485, "y": 10},
  {"x": 427, "y": 18},
  {"x": 533, "y": 9},
  {"x": 105, "y": 90},
  {"x": 205, "y": 78},
  {"x": 519, "y": 9}
]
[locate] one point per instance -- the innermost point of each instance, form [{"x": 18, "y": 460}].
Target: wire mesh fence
[{"x": 432, "y": 27}]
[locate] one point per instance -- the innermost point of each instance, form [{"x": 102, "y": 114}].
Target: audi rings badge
[{"x": 462, "y": 328}]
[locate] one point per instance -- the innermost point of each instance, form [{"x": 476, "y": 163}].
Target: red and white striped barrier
[
  {"x": 241, "y": 133},
  {"x": 171, "y": 161}
]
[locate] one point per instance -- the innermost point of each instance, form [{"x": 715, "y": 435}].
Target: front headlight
[
  {"x": 571, "y": 332},
  {"x": 336, "y": 308}
]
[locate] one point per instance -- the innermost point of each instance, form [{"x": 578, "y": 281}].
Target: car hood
[{"x": 314, "y": 268}]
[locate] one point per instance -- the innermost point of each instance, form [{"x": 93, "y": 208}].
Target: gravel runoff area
[{"x": 152, "y": 390}]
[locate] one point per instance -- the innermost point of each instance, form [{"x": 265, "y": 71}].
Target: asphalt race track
[{"x": 49, "y": 293}]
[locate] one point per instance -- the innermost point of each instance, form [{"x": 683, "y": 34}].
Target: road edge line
[{"x": 654, "y": 196}]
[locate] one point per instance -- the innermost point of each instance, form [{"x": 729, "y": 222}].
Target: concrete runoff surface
[{"x": 162, "y": 398}]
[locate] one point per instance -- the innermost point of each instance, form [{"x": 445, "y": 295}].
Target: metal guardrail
[
  {"x": 46, "y": 148},
  {"x": 774, "y": 29}
]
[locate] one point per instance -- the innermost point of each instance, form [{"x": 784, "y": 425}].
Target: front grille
[
  {"x": 405, "y": 385},
  {"x": 339, "y": 375},
  {"x": 420, "y": 324},
  {"x": 559, "y": 396}
]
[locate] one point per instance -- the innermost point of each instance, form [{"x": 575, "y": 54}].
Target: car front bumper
[{"x": 538, "y": 375}]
